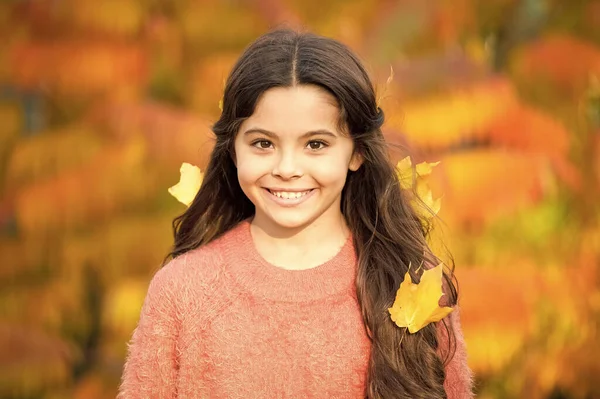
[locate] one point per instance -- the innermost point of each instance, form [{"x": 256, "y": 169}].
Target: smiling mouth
[{"x": 289, "y": 194}]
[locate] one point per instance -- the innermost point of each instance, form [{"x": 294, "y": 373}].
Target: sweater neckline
[{"x": 264, "y": 279}]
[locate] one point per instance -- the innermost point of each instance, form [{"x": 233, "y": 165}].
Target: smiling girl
[{"x": 285, "y": 264}]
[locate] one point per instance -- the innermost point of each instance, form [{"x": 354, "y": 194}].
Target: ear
[{"x": 355, "y": 162}]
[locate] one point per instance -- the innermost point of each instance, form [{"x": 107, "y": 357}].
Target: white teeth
[{"x": 289, "y": 195}]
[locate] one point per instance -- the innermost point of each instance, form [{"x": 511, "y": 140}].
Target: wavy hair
[{"x": 388, "y": 235}]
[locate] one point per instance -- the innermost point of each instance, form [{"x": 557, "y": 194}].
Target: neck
[{"x": 302, "y": 247}]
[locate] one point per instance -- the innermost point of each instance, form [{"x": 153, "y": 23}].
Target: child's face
[{"x": 292, "y": 160}]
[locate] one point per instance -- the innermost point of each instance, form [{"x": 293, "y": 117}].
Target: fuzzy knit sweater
[{"x": 222, "y": 322}]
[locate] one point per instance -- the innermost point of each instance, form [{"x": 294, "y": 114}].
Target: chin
[
  {"x": 289, "y": 221},
  {"x": 292, "y": 222}
]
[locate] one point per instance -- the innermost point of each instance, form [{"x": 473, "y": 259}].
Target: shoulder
[
  {"x": 199, "y": 272},
  {"x": 187, "y": 285},
  {"x": 199, "y": 276},
  {"x": 194, "y": 270}
]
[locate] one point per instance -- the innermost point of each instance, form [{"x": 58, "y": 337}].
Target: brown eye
[
  {"x": 316, "y": 145},
  {"x": 262, "y": 144}
]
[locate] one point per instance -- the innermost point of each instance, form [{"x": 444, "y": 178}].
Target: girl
[{"x": 285, "y": 264}]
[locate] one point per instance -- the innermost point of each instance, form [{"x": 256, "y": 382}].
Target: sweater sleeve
[
  {"x": 150, "y": 369},
  {"x": 459, "y": 377}
]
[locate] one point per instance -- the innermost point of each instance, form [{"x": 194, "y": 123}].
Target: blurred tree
[{"x": 100, "y": 104}]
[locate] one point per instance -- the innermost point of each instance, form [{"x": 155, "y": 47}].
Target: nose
[{"x": 287, "y": 166}]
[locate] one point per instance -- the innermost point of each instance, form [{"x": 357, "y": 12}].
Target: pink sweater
[{"x": 221, "y": 322}]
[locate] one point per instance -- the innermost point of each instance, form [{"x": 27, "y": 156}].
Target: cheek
[
  {"x": 250, "y": 168},
  {"x": 330, "y": 173},
  {"x": 245, "y": 173}
]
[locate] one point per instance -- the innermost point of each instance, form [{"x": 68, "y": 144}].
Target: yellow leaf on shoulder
[{"x": 416, "y": 305}]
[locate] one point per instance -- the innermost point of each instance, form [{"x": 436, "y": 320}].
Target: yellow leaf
[
  {"x": 416, "y": 305},
  {"x": 404, "y": 170},
  {"x": 425, "y": 194},
  {"x": 387, "y": 85},
  {"x": 189, "y": 183},
  {"x": 425, "y": 168}
]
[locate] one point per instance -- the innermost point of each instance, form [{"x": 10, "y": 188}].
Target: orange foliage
[
  {"x": 592, "y": 15},
  {"x": 199, "y": 26},
  {"x": 515, "y": 289},
  {"x": 114, "y": 248},
  {"x": 78, "y": 68},
  {"x": 172, "y": 136},
  {"x": 123, "y": 302},
  {"x": 208, "y": 82},
  {"x": 546, "y": 308},
  {"x": 497, "y": 325},
  {"x": 114, "y": 178},
  {"x": 95, "y": 386},
  {"x": 12, "y": 122},
  {"x": 450, "y": 18},
  {"x": 525, "y": 128},
  {"x": 116, "y": 17},
  {"x": 75, "y": 191},
  {"x": 32, "y": 361},
  {"x": 446, "y": 120},
  {"x": 562, "y": 61},
  {"x": 50, "y": 153},
  {"x": 26, "y": 258},
  {"x": 481, "y": 185},
  {"x": 111, "y": 17},
  {"x": 50, "y": 306}
]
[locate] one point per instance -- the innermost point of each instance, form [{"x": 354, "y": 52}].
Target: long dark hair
[{"x": 388, "y": 235}]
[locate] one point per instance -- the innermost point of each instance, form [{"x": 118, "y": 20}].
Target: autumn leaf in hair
[
  {"x": 426, "y": 195},
  {"x": 404, "y": 170},
  {"x": 189, "y": 183},
  {"x": 388, "y": 83},
  {"x": 416, "y": 305}
]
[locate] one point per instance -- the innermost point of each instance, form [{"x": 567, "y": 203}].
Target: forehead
[{"x": 294, "y": 109}]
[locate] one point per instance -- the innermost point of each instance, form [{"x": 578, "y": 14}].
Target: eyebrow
[{"x": 311, "y": 133}]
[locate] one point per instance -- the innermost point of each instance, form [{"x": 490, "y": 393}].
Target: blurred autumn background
[{"x": 101, "y": 102}]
